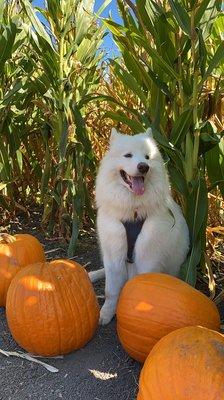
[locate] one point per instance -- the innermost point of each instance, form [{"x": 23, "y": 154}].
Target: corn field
[{"x": 59, "y": 99}]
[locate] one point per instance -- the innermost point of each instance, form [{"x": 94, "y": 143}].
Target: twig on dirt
[
  {"x": 52, "y": 250},
  {"x": 52, "y": 357},
  {"x": 54, "y": 239},
  {"x": 219, "y": 298},
  {"x": 29, "y": 358},
  {"x": 72, "y": 258},
  {"x": 86, "y": 265}
]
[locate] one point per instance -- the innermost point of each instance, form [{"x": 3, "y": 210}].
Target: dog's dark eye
[
  {"x": 128, "y": 155},
  {"x": 147, "y": 157}
]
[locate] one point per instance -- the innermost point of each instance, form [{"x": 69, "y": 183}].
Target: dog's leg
[
  {"x": 113, "y": 242},
  {"x": 131, "y": 270},
  {"x": 159, "y": 247},
  {"x": 116, "y": 276}
]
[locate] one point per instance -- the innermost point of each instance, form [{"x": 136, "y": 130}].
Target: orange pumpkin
[
  {"x": 152, "y": 305},
  {"x": 186, "y": 364},
  {"x": 16, "y": 252},
  {"x": 51, "y": 308}
]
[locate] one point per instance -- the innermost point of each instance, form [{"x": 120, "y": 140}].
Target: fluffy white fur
[{"x": 163, "y": 242}]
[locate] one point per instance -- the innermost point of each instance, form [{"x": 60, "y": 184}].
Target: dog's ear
[
  {"x": 114, "y": 135},
  {"x": 148, "y": 132}
]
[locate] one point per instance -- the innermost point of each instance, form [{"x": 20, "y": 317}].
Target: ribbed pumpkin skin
[
  {"x": 187, "y": 364},
  {"x": 51, "y": 308},
  {"x": 16, "y": 252},
  {"x": 152, "y": 305}
]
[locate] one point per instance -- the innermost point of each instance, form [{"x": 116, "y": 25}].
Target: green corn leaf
[
  {"x": 9, "y": 95},
  {"x": 111, "y": 100},
  {"x": 130, "y": 82},
  {"x": 178, "y": 180},
  {"x": 215, "y": 61},
  {"x": 159, "y": 83},
  {"x": 46, "y": 172},
  {"x": 206, "y": 14},
  {"x": 160, "y": 138},
  {"x": 204, "y": 5},
  {"x": 84, "y": 19},
  {"x": 135, "y": 68},
  {"x": 63, "y": 141},
  {"x": 4, "y": 158},
  {"x": 188, "y": 270},
  {"x": 2, "y": 5},
  {"x": 202, "y": 53},
  {"x": 37, "y": 25},
  {"x": 115, "y": 29},
  {"x": 218, "y": 28},
  {"x": 128, "y": 15},
  {"x": 148, "y": 13},
  {"x": 142, "y": 42},
  {"x": 181, "y": 127},
  {"x": 177, "y": 158},
  {"x": 81, "y": 131},
  {"x": 54, "y": 12},
  {"x": 208, "y": 136},
  {"x": 197, "y": 208},
  {"x": 197, "y": 205},
  {"x": 77, "y": 206},
  {"x": 102, "y": 7},
  {"x": 74, "y": 236},
  {"x": 214, "y": 160},
  {"x": 136, "y": 126},
  {"x": 6, "y": 44},
  {"x": 181, "y": 16}
]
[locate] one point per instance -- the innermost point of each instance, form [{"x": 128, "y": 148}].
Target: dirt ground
[{"x": 99, "y": 371}]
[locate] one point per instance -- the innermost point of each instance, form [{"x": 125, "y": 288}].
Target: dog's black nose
[{"x": 143, "y": 167}]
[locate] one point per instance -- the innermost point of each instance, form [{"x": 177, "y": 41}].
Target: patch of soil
[{"x": 99, "y": 371}]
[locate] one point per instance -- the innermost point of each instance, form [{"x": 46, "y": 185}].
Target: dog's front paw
[{"x": 106, "y": 316}]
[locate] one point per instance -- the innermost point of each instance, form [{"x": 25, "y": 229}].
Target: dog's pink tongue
[{"x": 137, "y": 185}]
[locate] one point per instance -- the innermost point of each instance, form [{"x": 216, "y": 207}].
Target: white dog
[{"x": 140, "y": 227}]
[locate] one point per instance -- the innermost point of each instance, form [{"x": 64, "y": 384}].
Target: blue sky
[
  {"x": 109, "y": 46},
  {"x": 113, "y": 11}
]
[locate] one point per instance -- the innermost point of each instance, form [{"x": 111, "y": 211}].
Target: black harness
[{"x": 133, "y": 228}]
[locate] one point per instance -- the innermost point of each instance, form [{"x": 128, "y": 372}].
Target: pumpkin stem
[{"x": 5, "y": 238}]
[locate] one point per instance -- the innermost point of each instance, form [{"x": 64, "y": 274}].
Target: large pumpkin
[
  {"x": 187, "y": 364},
  {"x": 51, "y": 308},
  {"x": 152, "y": 305},
  {"x": 16, "y": 252}
]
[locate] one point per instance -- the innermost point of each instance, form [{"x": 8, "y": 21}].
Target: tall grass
[{"x": 172, "y": 53}]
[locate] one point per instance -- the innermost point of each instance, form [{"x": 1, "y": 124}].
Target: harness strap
[{"x": 133, "y": 228}]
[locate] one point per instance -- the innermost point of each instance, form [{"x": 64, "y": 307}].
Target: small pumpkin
[
  {"x": 16, "y": 252},
  {"x": 51, "y": 308},
  {"x": 186, "y": 364},
  {"x": 152, "y": 305}
]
